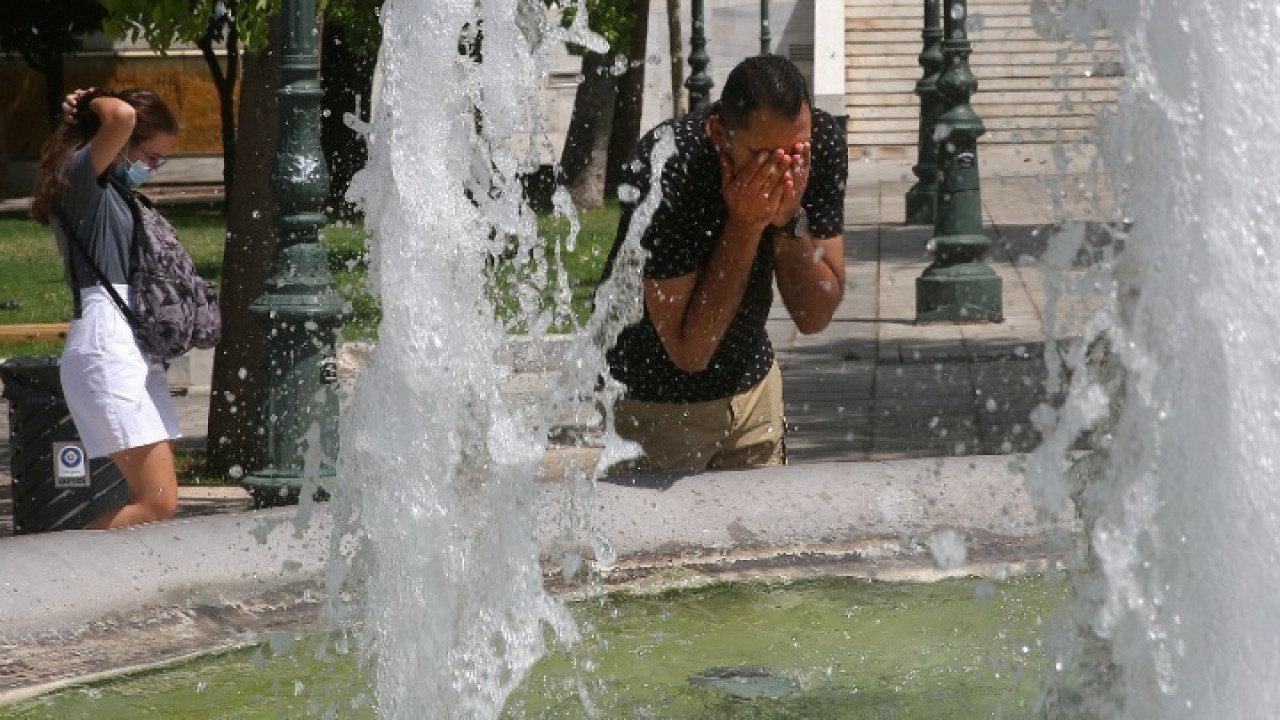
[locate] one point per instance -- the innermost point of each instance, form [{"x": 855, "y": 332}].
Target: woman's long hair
[{"x": 153, "y": 118}]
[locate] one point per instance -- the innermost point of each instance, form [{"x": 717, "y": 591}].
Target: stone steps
[{"x": 1031, "y": 89}]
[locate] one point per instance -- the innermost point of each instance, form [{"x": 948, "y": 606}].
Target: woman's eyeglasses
[
  {"x": 151, "y": 160},
  {"x": 155, "y": 162}
]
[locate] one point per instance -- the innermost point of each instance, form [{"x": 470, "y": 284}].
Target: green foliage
[
  {"x": 611, "y": 19},
  {"x": 193, "y": 468},
  {"x": 359, "y": 20},
  {"x": 161, "y": 23},
  {"x": 42, "y": 31}
]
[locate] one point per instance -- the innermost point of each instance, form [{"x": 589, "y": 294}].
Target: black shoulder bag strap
[{"x": 97, "y": 272}]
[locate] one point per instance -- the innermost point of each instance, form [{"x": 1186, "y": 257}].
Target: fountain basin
[
  {"x": 85, "y": 604},
  {"x": 831, "y": 647}
]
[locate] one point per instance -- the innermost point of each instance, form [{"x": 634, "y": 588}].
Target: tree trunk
[
  {"x": 234, "y": 439},
  {"x": 225, "y": 81},
  {"x": 675, "y": 41},
  {"x": 629, "y": 102},
  {"x": 4, "y": 161},
  {"x": 586, "y": 143},
  {"x": 348, "y": 88},
  {"x": 52, "y": 69}
]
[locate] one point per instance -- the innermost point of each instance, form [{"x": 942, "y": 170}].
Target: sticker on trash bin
[
  {"x": 328, "y": 370},
  {"x": 70, "y": 470}
]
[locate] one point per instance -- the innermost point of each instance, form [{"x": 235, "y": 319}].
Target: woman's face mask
[
  {"x": 137, "y": 172},
  {"x": 133, "y": 175}
]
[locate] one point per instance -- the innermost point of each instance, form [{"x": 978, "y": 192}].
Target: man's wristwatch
[{"x": 797, "y": 226}]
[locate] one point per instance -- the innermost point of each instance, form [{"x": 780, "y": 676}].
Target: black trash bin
[{"x": 54, "y": 488}]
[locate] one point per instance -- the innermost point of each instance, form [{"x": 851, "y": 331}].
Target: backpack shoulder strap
[
  {"x": 100, "y": 276},
  {"x": 132, "y": 198}
]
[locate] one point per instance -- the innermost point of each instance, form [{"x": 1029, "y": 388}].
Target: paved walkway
[{"x": 875, "y": 385}]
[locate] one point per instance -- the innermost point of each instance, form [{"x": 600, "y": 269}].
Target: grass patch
[
  {"x": 535, "y": 276},
  {"x": 348, "y": 247},
  {"x": 31, "y": 271},
  {"x": 192, "y": 467}
]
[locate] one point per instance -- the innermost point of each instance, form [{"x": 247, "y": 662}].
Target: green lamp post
[
  {"x": 699, "y": 82},
  {"x": 766, "y": 37},
  {"x": 958, "y": 286},
  {"x": 298, "y": 308},
  {"x": 923, "y": 196}
]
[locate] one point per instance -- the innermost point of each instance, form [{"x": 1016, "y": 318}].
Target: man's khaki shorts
[{"x": 741, "y": 431}]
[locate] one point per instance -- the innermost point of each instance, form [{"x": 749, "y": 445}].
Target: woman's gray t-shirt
[{"x": 89, "y": 207}]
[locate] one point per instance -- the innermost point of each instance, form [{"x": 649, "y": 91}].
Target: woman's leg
[{"x": 153, "y": 487}]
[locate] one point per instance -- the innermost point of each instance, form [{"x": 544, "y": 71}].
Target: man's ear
[{"x": 719, "y": 135}]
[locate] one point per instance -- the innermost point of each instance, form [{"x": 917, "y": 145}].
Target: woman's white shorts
[{"x": 117, "y": 398}]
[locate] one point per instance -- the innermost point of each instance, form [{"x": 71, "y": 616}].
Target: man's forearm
[
  {"x": 714, "y": 299},
  {"x": 719, "y": 291},
  {"x": 810, "y": 276}
]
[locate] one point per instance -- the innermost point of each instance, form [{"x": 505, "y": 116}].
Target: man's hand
[
  {"x": 755, "y": 193},
  {"x": 798, "y": 181}
]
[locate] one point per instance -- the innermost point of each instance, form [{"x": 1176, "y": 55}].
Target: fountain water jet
[
  {"x": 435, "y": 532},
  {"x": 1178, "y": 584}
]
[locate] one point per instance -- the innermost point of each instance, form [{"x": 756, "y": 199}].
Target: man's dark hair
[{"x": 764, "y": 81}]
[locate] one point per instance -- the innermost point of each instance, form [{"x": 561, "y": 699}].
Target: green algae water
[{"x": 824, "y": 648}]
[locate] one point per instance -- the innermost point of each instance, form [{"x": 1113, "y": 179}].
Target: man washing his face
[{"x": 754, "y": 195}]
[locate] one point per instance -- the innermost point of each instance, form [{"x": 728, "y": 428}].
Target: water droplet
[
  {"x": 628, "y": 193},
  {"x": 948, "y": 548}
]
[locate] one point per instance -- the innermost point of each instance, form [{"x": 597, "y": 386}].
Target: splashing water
[
  {"x": 1178, "y": 377},
  {"x": 435, "y": 540}
]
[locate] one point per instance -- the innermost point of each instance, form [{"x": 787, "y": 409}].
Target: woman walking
[{"x": 118, "y": 397}]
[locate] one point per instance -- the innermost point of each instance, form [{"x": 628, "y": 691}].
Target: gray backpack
[{"x": 173, "y": 308}]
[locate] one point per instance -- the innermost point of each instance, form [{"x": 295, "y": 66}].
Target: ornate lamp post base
[
  {"x": 299, "y": 309},
  {"x": 967, "y": 292},
  {"x": 958, "y": 287},
  {"x": 272, "y": 489},
  {"x": 299, "y": 403}
]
